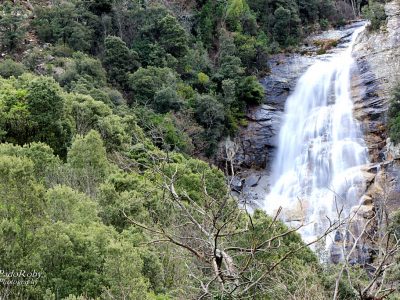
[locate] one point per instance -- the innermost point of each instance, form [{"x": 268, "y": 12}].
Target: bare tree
[
  {"x": 385, "y": 245},
  {"x": 213, "y": 233}
]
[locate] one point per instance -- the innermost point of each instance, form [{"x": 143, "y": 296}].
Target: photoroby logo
[{"x": 19, "y": 277}]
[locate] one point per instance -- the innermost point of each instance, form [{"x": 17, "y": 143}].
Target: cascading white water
[{"x": 321, "y": 149}]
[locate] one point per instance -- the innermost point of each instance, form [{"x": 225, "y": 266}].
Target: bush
[
  {"x": 251, "y": 91},
  {"x": 119, "y": 60},
  {"x": 394, "y": 115},
  {"x": 10, "y": 68},
  {"x": 12, "y": 27},
  {"x": 375, "y": 13},
  {"x": 146, "y": 82},
  {"x": 324, "y": 23}
]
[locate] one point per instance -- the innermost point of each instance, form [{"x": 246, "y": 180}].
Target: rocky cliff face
[
  {"x": 377, "y": 56},
  {"x": 252, "y": 151},
  {"x": 378, "y": 59}
]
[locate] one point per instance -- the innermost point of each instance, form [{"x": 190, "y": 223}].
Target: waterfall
[{"x": 321, "y": 149}]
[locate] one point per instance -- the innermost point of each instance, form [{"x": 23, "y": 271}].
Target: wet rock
[
  {"x": 255, "y": 188},
  {"x": 237, "y": 184},
  {"x": 253, "y": 180},
  {"x": 255, "y": 143},
  {"x": 368, "y": 177}
]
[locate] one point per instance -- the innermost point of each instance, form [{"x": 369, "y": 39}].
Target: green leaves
[
  {"x": 10, "y": 68},
  {"x": 119, "y": 60},
  {"x": 375, "y": 13},
  {"x": 12, "y": 26},
  {"x": 46, "y": 106},
  {"x": 64, "y": 23},
  {"x": 394, "y": 115},
  {"x": 87, "y": 159},
  {"x": 33, "y": 109},
  {"x": 69, "y": 206},
  {"x": 146, "y": 82},
  {"x": 172, "y": 36},
  {"x": 251, "y": 91}
]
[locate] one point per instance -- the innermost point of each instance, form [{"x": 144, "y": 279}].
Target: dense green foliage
[
  {"x": 12, "y": 26},
  {"x": 165, "y": 57},
  {"x": 394, "y": 116},
  {"x": 103, "y": 104},
  {"x": 375, "y": 13},
  {"x": 71, "y": 221}
]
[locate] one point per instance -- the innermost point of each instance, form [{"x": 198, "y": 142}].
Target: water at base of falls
[{"x": 317, "y": 169}]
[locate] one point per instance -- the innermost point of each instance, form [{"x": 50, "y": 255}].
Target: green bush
[
  {"x": 394, "y": 115},
  {"x": 65, "y": 23},
  {"x": 119, "y": 60},
  {"x": 12, "y": 26},
  {"x": 146, "y": 82},
  {"x": 251, "y": 91},
  {"x": 10, "y": 68},
  {"x": 375, "y": 13}
]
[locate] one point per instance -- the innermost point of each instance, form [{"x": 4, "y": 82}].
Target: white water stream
[{"x": 321, "y": 148}]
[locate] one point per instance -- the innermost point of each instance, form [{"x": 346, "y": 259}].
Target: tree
[
  {"x": 282, "y": 25},
  {"x": 42, "y": 156},
  {"x": 33, "y": 111},
  {"x": 211, "y": 114},
  {"x": 172, "y": 36},
  {"x": 100, "y": 7},
  {"x": 166, "y": 100},
  {"x": 251, "y": 91},
  {"x": 146, "y": 82},
  {"x": 239, "y": 17},
  {"x": 69, "y": 206},
  {"x": 238, "y": 255},
  {"x": 10, "y": 68},
  {"x": 119, "y": 60},
  {"x": 72, "y": 257},
  {"x": 45, "y": 103},
  {"x": 82, "y": 68},
  {"x": 65, "y": 24},
  {"x": 12, "y": 26},
  {"x": 86, "y": 112},
  {"x": 22, "y": 213},
  {"x": 230, "y": 64},
  {"x": 123, "y": 268},
  {"x": 88, "y": 162},
  {"x": 375, "y": 13},
  {"x": 308, "y": 10}
]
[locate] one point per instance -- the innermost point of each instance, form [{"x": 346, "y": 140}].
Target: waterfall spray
[{"x": 321, "y": 148}]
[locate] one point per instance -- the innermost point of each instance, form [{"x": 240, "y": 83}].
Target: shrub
[
  {"x": 375, "y": 13},
  {"x": 394, "y": 115},
  {"x": 146, "y": 82},
  {"x": 251, "y": 91},
  {"x": 10, "y": 68}
]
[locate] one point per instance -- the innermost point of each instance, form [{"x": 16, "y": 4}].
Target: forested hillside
[{"x": 109, "y": 113}]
